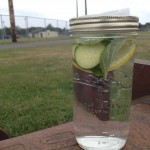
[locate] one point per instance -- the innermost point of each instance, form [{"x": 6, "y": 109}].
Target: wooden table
[{"x": 62, "y": 137}]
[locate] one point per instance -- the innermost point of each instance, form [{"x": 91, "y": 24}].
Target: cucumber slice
[
  {"x": 88, "y": 56},
  {"x": 74, "y": 46},
  {"x": 76, "y": 65}
]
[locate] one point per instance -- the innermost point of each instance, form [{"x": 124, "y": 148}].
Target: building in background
[{"x": 43, "y": 34}]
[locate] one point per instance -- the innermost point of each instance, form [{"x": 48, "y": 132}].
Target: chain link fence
[{"x": 27, "y": 25}]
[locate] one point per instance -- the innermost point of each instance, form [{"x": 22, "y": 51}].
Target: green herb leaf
[
  {"x": 106, "y": 41},
  {"x": 109, "y": 54},
  {"x": 97, "y": 71}
]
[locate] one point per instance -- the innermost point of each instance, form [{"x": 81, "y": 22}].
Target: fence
[{"x": 32, "y": 23}]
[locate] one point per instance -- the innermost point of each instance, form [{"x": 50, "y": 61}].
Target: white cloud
[
  {"x": 65, "y": 9},
  {"x": 55, "y": 9}
]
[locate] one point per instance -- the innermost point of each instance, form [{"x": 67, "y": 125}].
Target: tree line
[
  {"x": 24, "y": 32},
  {"x": 144, "y": 27}
]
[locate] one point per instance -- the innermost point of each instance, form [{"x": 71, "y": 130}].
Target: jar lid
[{"x": 104, "y": 23}]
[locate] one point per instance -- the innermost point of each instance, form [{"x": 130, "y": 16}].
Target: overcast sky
[{"x": 66, "y": 9}]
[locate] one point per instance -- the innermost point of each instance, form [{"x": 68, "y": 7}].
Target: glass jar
[{"x": 103, "y": 50}]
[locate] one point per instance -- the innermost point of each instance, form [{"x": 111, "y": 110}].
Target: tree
[
  {"x": 145, "y": 26},
  {"x": 50, "y": 27}
]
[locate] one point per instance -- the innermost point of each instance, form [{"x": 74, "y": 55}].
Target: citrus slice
[{"x": 123, "y": 56}]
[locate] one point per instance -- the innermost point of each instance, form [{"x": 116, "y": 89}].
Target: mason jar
[{"x": 103, "y": 50}]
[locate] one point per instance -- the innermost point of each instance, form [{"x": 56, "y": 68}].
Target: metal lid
[{"x": 104, "y": 23}]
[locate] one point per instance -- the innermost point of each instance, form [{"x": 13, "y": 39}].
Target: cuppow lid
[{"x": 104, "y": 23}]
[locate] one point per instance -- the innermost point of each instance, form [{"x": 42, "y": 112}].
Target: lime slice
[{"x": 124, "y": 54}]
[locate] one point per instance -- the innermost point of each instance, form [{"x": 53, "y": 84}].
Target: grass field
[
  {"x": 36, "y": 87},
  {"x": 27, "y": 40},
  {"x": 143, "y": 48}
]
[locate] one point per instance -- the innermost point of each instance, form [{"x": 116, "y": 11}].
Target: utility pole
[
  {"x": 85, "y": 7},
  {"x": 77, "y": 7},
  {"x": 12, "y": 21}
]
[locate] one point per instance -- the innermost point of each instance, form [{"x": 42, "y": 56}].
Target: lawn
[
  {"x": 36, "y": 87},
  {"x": 143, "y": 48},
  {"x": 26, "y": 40}
]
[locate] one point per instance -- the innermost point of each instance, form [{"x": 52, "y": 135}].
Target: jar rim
[{"x": 102, "y": 23}]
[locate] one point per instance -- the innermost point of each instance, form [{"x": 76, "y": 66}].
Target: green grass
[
  {"x": 26, "y": 40},
  {"x": 36, "y": 87},
  {"x": 144, "y": 33},
  {"x": 143, "y": 49}
]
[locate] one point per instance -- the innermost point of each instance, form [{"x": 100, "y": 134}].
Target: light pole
[
  {"x": 85, "y": 7},
  {"x": 26, "y": 25},
  {"x": 77, "y": 8},
  {"x": 57, "y": 23},
  {"x": 45, "y": 23},
  {"x": 3, "y": 28},
  {"x": 66, "y": 26}
]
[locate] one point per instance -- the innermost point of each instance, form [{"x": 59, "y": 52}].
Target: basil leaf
[
  {"x": 109, "y": 54},
  {"x": 97, "y": 71},
  {"x": 107, "y": 41}
]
